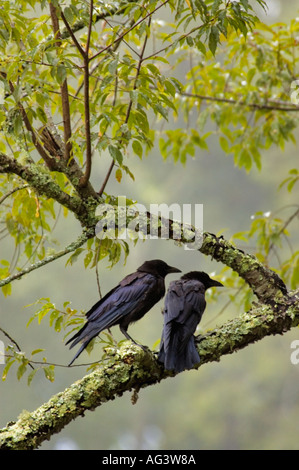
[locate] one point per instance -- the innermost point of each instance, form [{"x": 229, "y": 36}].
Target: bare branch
[
  {"x": 280, "y": 106},
  {"x": 106, "y": 178},
  {"x": 85, "y": 178},
  {"x": 150, "y": 14},
  {"x": 66, "y": 115},
  {"x": 15, "y": 343},
  {"x": 19, "y": 188},
  {"x": 49, "y": 259},
  {"x": 41, "y": 182},
  {"x": 71, "y": 33},
  {"x": 129, "y": 106},
  {"x": 85, "y": 54},
  {"x": 50, "y": 162}
]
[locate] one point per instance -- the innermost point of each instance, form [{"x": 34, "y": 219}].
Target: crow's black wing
[
  {"x": 184, "y": 306},
  {"x": 120, "y": 301}
]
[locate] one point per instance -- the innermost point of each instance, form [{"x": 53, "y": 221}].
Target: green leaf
[
  {"x": 118, "y": 175},
  {"x": 155, "y": 71},
  {"x": 213, "y": 39},
  {"x": 6, "y": 289},
  {"x": 49, "y": 372},
  {"x": 201, "y": 47},
  {"x": 115, "y": 153},
  {"x": 244, "y": 160},
  {"x": 74, "y": 256},
  {"x": 8, "y": 365},
  {"x": 224, "y": 144},
  {"x": 21, "y": 370},
  {"x": 36, "y": 351},
  {"x": 68, "y": 13},
  {"x": 137, "y": 148},
  {"x": 61, "y": 73},
  {"x": 88, "y": 259},
  {"x": 31, "y": 376},
  {"x": 112, "y": 67}
]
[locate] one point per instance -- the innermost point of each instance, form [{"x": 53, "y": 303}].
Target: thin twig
[
  {"x": 15, "y": 343},
  {"x": 66, "y": 115},
  {"x": 280, "y": 107},
  {"x": 19, "y": 188},
  {"x": 287, "y": 222},
  {"x": 97, "y": 269},
  {"x": 89, "y": 28},
  {"x": 106, "y": 178},
  {"x": 85, "y": 178},
  {"x": 80, "y": 49},
  {"x": 129, "y": 106},
  {"x": 150, "y": 14},
  {"x": 35, "y": 139},
  {"x": 85, "y": 54},
  {"x": 68, "y": 249}
]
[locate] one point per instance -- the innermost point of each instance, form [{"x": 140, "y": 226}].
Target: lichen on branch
[{"x": 132, "y": 368}]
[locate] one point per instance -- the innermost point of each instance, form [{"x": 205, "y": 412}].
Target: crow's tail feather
[
  {"x": 79, "y": 351},
  {"x": 178, "y": 357},
  {"x": 85, "y": 335}
]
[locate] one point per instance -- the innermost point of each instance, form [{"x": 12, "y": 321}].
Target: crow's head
[
  {"x": 158, "y": 268},
  {"x": 204, "y": 278}
]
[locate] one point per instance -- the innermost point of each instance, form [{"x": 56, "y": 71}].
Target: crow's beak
[
  {"x": 216, "y": 283},
  {"x": 171, "y": 269}
]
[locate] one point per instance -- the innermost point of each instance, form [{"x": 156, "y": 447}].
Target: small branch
[
  {"x": 10, "y": 339},
  {"x": 15, "y": 343},
  {"x": 85, "y": 178},
  {"x": 66, "y": 115},
  {"x": 287, "y": 222},
  {"x": 5, "y": 196},
  {"x": 72, "y": 35},
  {"x": 150, "y": 14},
  {"x": 108, "y": 11},
  {"x": 97, "y": 269},
  {"x": 50, "y": 162},
  {"x": 89, "y": 28},
  {"x": 281, "y": 106},
  {"x": 106, "y": 178},
  {"x": 129, "y": 106},
  {"x": 68, "y": 249},
  {"x": 43, "y": 184},
  {"x": 85, "y": 55}
]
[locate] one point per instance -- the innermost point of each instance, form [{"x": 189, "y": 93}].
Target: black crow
[
  {"x": 129, "y": 301},
  {"x": 184, "y": 306}
]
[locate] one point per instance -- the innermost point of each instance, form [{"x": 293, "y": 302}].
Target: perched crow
[
  {"x": 184, "y": 306},
  {"x": 129, "y": 301}
]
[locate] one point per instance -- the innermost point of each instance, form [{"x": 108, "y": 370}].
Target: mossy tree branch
[
  {"x": 264, "y": 282},
  {"x": 41, "y": 181},
  {"x": 131, "y": 368}
]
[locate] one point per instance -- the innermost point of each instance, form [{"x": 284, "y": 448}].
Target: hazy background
[{"x": 249, "y": 400}]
